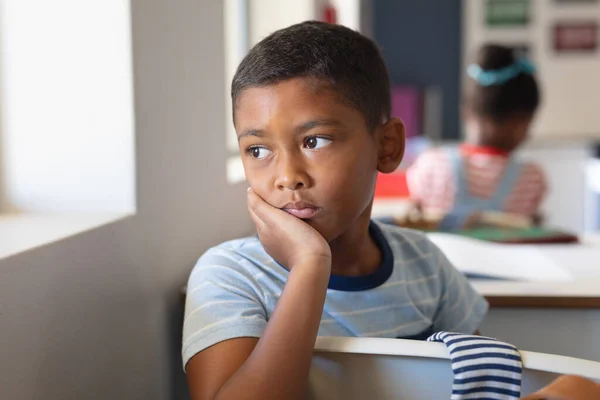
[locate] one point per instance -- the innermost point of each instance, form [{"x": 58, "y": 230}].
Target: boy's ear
[{"x": 391, "y": 145}]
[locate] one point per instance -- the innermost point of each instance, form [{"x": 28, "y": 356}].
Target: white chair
[{"x": 382, "y": 369}]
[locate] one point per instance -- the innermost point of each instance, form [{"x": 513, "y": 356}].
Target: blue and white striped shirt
[
  {"x": 234, "y": 287},
  {"x": 484, "y": 368}
]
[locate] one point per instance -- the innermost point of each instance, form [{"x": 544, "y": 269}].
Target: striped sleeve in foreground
[{"x": 484, "y": 368}]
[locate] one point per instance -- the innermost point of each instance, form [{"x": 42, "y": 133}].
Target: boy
[{"x": 312, "y": 114}]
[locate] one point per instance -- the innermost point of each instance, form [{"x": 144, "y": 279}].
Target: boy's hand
[{"x": 287, "y": 239}]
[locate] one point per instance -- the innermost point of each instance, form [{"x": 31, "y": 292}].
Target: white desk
[
  {"x": 581, "y": 260},
  {"x": 583, "y": 263},
  {"x": 558, "y": 318}
]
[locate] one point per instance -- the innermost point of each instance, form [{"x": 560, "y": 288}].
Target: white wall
[
  {"x": 348, "y": 13},
  {"x": 95, "y": 316},
  {"x": 67, "y": 106},
  {"x": 267, "y": 16},
  {"x": 571, "y": 83}
]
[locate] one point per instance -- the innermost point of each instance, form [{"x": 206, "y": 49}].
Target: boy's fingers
[
  {"x": 259, "y": 209},
  {"x": 255, "y": 218}
]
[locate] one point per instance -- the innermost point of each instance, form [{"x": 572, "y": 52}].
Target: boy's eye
[
  {"x": 315, "y": 142},
  {"x": 259, "y": 152}
]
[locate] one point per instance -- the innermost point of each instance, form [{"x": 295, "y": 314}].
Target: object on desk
[
  {"x": 488, "y": 226},
  {"x": 456, "y": 221},
  {"x": 503, "y": 220},
  {"x": 433, "y": 220},
  {"x": 533, "y": 235},
  {"x": 501, "y": 261}
]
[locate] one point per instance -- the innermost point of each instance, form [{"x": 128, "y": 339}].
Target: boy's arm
[{"x": 277, "y": 365}]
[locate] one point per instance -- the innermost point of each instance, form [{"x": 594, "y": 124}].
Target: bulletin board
[{"x": 562, "y": 38}]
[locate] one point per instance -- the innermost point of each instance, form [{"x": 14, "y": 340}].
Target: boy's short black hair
[
  {"x": 345, "y": 60},
  {"x": 518, "y": 96}
]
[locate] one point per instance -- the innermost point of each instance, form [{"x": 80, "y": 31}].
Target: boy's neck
[{"x": 355, "y": 253}]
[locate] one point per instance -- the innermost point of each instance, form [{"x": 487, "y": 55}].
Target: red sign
[{"x": 576, "y": 37}]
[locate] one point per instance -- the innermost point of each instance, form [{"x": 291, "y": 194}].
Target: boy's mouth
[{"x": 301, "y": 209}]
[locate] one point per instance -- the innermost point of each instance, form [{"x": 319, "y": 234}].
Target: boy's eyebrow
[
  {"x": 251, "y": 132},
  {"x": 316, "y": 123},
  {"x": 300, "y": 129}
]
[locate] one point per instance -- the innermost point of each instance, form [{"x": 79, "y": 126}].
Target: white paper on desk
[{"x": 503, "y": 261}]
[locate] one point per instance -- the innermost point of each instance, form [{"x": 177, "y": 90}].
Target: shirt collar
[{"x": 469, "y": 149}]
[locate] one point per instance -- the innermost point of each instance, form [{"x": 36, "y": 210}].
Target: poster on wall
[
  {"x": 507, "y": 13},
  {"x": 576, "y": 37}
]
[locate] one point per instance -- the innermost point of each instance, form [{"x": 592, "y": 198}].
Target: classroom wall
[
  {"x": 570, "y": 82},
  {"x": 423, "y": 48},
  {"x": 96, "y": 316},
  {"x": 267, "y": 16}
]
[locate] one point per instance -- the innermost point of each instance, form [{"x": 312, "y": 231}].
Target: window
[
  {"x": 67, "y": 106},
  {"x": 67, "y": 126},
  {"x": 237, "y": 44}
]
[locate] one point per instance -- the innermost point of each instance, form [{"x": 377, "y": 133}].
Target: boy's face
[{"x": 307, "y": 152}]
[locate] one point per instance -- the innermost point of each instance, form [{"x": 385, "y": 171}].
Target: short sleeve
[
  {"x": 221, "y": 304},
  {"x": 429, "y": 179},
  {"x": 417, "y": 177},
  {"x": 460, "y": 309}
]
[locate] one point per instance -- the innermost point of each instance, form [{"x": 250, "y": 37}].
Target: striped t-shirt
[
  {"x": 234, "y": 287},
  {"x": 431, "y": 182}
]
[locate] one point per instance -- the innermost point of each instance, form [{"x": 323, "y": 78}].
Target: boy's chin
[
  {"x": 322, "y": 228},
  {"x": 331, "y": 227},
  {"x": 329, "y": 232}
]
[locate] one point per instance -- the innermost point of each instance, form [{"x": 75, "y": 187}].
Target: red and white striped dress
[{"x": 432, "y": 184}]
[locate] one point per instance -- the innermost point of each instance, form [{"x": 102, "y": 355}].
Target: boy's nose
[
  {"x": 291, "y": 175},
  {"x": 290, "y": 184}
]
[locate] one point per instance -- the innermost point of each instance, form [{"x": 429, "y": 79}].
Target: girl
[{"x": 501, "y": 97}]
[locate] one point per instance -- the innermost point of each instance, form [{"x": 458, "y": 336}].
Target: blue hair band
[{"x": 502, "y": 75}]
